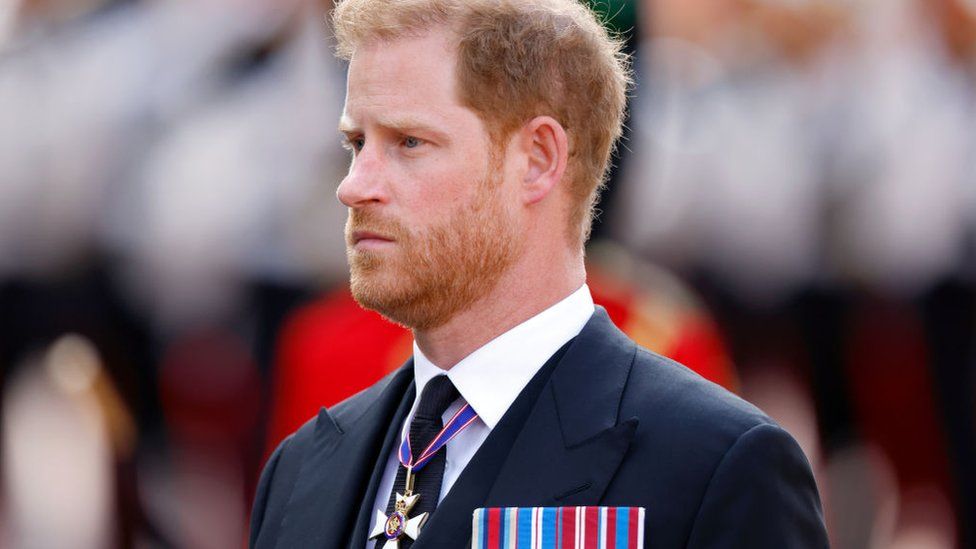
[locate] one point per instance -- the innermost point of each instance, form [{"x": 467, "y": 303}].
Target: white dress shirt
[{"x": 490, "y": 379}]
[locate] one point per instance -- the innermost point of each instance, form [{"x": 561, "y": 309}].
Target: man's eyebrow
[
  {"x": 403, "y": 124},
  {"x": 346, "y": 125}
]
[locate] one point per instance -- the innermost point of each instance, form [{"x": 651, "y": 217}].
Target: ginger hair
[{"x": 518, "y": 59}]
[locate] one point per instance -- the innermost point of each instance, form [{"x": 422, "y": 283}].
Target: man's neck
[{"x": 516, "y": 298}]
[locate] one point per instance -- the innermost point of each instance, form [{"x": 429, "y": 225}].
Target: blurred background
[{"x": 792, "y": 214}]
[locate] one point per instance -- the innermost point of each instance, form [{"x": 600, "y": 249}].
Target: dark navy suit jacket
[{"x": 605, "y": 422}]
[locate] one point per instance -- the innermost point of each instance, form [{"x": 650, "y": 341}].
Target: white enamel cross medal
[{"x": 393, "y": 527}]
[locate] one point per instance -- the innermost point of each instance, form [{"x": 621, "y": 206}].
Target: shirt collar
[{"x": 492, "y": 377}]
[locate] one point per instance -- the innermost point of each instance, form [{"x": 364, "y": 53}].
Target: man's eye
[
  {"x": 354, "y": 144},
  {"x": 411, "y": 142}
]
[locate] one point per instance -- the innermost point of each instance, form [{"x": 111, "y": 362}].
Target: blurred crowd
[{"x": 792, "y": 212}]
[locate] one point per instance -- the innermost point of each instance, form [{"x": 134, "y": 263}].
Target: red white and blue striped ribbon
[
  {"x": 558, "y": 528},
  {"x": 464, "y": 417}
]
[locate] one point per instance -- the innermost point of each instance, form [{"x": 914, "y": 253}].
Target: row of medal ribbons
[{"x": 558, "y": 528}]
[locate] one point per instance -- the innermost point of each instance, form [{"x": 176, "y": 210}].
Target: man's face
[{"x": 431, "y": 228}]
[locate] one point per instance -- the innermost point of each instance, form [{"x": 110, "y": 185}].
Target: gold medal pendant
[{"x": 397, "y": 524}]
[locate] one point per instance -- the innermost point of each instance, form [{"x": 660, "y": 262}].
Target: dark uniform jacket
[{"x": 604, "y": 422}]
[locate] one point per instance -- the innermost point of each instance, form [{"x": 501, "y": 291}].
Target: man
[{"x": 480, "y": 132}]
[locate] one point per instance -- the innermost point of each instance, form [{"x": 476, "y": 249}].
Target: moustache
[{"x": 372, "y": 222}]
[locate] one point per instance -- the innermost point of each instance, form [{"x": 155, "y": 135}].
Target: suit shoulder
[
  {"x": 701, "y": 455},
  {"x": 666, "y": 393}
]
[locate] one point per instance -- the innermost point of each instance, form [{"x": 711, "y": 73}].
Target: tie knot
[{"x": 438, "y": 394}]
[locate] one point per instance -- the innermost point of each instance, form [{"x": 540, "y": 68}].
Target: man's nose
[{"x": 364, "y": 184}]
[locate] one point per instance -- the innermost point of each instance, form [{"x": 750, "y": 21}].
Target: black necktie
[{"x": 438, "y": 394}]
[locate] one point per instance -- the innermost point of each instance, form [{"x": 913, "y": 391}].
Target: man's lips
[{"x": 369, "y": 238}]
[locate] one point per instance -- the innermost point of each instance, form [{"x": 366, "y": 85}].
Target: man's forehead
[
  {"x": 404, "y": 82},
  {"x": 421, "y": 59}
]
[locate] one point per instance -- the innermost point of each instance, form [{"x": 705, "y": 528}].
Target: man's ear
[{"x": 543, "y": 140}]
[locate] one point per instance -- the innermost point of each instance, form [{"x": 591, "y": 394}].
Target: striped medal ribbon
[{"x": 464, "y": 417}]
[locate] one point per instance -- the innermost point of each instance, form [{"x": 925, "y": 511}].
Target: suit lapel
[
  {"x": 568, "y": 448},
  {"x": 345, "y": 456},
  {"x": 364, "y": 521},
  {"x": 573, "y": 443}
]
